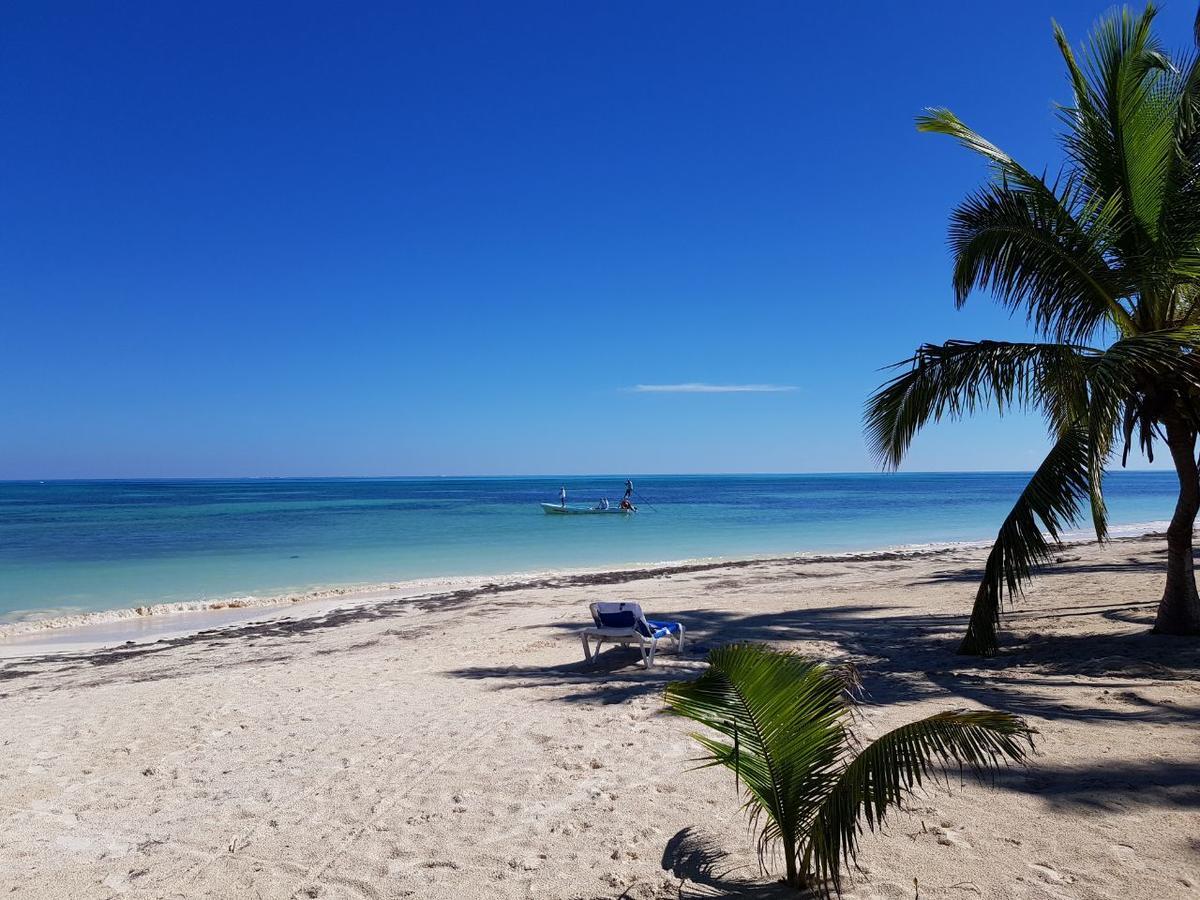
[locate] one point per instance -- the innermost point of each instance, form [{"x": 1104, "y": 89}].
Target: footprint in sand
[
  {"x": 1051, "y": 875},
  {"x": 950, "y": 837},
  {"x": 1126, "y": 856},
  {"x": 117, "y": 882}
]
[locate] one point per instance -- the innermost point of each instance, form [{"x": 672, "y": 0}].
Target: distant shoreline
[{"x": 150, "y": 622}]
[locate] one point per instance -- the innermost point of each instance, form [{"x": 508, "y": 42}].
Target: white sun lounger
[{"x": 625, "y": 623}]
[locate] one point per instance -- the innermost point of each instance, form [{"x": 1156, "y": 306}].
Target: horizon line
[{"x": 551, "y": 475}]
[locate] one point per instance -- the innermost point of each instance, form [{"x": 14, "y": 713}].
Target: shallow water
[{"x": 81, "y": 546}]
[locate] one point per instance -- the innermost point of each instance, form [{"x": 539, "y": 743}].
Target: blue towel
[{"x": 662, "y": 629}]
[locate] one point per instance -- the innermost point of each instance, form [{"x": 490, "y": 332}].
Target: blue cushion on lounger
[{"x": 615, "y": 619}]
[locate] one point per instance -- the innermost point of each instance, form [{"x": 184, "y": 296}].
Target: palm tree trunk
[
  {"x": 789, "y": 853},
  {"x": 980, "y": 639},
  {"x": 1179, "y": 609}
]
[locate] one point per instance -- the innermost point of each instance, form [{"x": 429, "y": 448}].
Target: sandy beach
[
  {"x": 456, "y": 745},
  {"x": 352, "y": 352}
]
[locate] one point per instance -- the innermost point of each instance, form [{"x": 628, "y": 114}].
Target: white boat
[{"x": 556, "y": 509}]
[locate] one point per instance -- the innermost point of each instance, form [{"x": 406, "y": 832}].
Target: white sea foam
[
  {"x": 1075, "y": 536},
  {"x": 935, "y": 546},
  {"x": 1133, "y": 529},
  {"x": 40, "y": 621}
]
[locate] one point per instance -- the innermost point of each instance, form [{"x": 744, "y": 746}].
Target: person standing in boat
[
  {"x": 562, "y": 496},
  {"x": 629, "y": 490}
]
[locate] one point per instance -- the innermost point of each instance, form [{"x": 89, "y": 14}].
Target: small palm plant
[{"x": 783, "y": 722}]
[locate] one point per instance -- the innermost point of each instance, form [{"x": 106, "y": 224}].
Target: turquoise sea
[{"x": 77, "y": 546}]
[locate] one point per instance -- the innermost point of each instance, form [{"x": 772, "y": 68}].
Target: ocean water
[{"x": 82, "y": 546}]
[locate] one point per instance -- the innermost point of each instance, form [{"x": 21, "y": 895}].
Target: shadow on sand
[
  {"x": 1104, "y": 787},
  {"x": 705, "y": 871},
  {"x": 905, "y": 658},
  {"x": 1084, "y": 677},
  {"x": 294, "y": 630}
]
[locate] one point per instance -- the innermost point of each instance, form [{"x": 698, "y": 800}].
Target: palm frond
[
  {"x": 1122, "y": 394},
  {"x": 1032, "y": 252},
  {"x": 1179, "y": 227},
  {"x": 958, "y": 378},
  {"x": 1067, "y": 209},
  {"x": 1169, "y": 354},
  {"x": 1121, "y": 129},
  {"x": 1053, "y": 497},
  {"x": 1005, "y": 169},
  {"x": 1065, "y": 382},
  {"x": 896, "y": 764}
]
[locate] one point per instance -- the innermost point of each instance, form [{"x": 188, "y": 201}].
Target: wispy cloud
[{"x": 700, "y": 387}]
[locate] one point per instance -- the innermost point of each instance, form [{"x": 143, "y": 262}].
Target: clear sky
[{"x": 442, "y": 238}]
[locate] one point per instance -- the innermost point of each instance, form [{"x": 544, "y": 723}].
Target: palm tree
[
  {"x": 1106, "y": 253},
  {"x": 785, "y": 722}
]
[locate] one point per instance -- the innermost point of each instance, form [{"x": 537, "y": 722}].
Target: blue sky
[{"x": 455, "y": 239}]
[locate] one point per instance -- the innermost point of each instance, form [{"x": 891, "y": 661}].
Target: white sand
[{"x": 457, "y": 748}]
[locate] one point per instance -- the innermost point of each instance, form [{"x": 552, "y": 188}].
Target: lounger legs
[
  {"x": 648, "y": 654},
  {"x": 589, "y": 655},
  {"x": 646, "y": 647}
]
